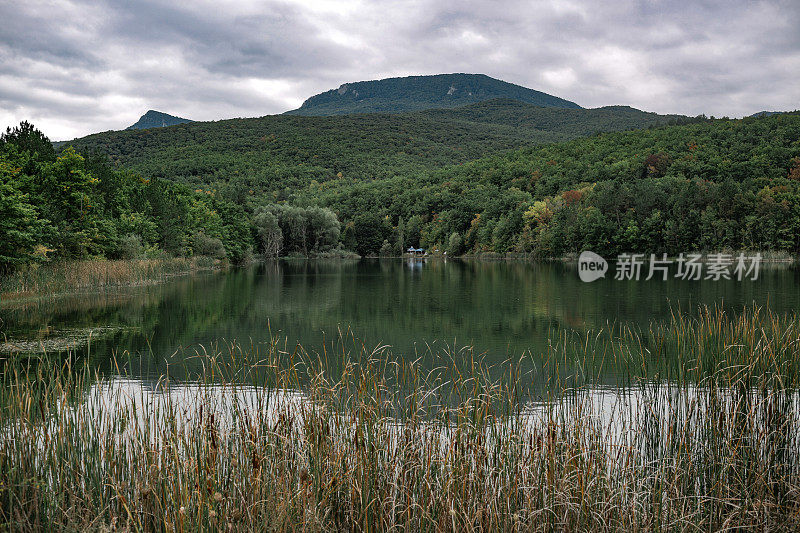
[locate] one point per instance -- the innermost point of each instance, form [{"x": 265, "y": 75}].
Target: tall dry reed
[
  {"x": 55, "y": 278},
  {"x": 699, "y": 429}
]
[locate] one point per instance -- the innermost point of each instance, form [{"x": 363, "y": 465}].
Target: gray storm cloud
[{"x": 77, "y": 67}]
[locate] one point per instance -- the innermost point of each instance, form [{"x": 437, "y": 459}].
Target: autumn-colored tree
[
  {"x": 656, "y": 165},
  {"x": 794, "y": 171},
  {"x": 572, "y": 197}
]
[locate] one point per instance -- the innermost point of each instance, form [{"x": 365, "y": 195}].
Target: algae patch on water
[{"x": 59, "y": 340}]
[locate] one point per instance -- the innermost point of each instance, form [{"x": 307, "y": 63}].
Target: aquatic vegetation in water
[
  {"x": 54, "y": 341},
  {"x": 702, "y": 431}
]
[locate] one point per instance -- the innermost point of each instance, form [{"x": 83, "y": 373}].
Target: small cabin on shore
[{"x": 415, "y": 251}]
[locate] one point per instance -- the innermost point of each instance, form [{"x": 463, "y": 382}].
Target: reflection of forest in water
[{"x": 501, "y": 308}]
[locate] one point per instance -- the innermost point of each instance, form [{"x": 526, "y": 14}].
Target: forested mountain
[
  {"x": 279, "y": 154},
  {"x": 413, "y": 93},
  {"x": 712, "y": 185},
  {"x": 378, "y": 184},
  {"x": 767, "y": 113},
  {"x": 156, "y": 119},
  {"x": 568, "y": 123}
]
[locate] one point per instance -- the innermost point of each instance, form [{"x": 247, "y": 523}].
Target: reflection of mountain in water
[{"x": 501, "y": 308}]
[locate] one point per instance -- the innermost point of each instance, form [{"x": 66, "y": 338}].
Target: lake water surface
[{"x": 499, "y": 308}]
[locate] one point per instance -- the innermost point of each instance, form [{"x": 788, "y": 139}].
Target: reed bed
[
  {"x": 55, "y": 278},
  {"x": 699, "y": 429}
]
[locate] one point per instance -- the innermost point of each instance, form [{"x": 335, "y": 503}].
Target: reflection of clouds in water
[
  {"x": 621, "y": 414},
  {"x": 618, "y": 414},
  {"x": 132, "y": 421},
  {"x": 148, "y": 400}
]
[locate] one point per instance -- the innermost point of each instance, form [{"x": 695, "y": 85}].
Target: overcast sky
[{"x": 77, "y": 67}]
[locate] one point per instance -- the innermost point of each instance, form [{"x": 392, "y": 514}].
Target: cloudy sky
[{"x": 74, "y": 67}]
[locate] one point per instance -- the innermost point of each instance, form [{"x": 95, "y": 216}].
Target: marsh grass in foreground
[{"x": 704, "y": 436}]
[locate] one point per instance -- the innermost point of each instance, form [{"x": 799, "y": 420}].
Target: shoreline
[
  {"x": 766, "y": 257},
  {"x": 35, "y": 282},
  {"x": 70, "y": 277}
]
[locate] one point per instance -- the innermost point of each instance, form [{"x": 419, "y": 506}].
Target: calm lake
[{"x": 499, "y": 308}]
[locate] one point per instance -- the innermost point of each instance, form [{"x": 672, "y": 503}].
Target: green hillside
[
  {"x": 414, "y": 93},
  {"x": 378, "y": 184},
  {"x": 400, "y": 180},
  {"x": 279, "y": 154},
  {"x": 716, "y": 184},
  {"x": 564, "y": 124}
]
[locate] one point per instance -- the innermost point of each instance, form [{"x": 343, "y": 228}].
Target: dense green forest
[
  {"x": 707, "y": 185},
  {"x": 415, "y": 93},
  {"x": 68, "y": 206},
  {"x": 718, "y": 184},
  {"x": 279, "y": 154}
]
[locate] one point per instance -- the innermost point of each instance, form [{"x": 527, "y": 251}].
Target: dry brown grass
[
  {"x": 263, "y": 440},
  {"x": 55, "y": 278}
]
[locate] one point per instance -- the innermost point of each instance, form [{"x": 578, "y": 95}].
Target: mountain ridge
[
  {"x": 157, "y": 119},
  {"x": 417, "y": 93},
  {"x": 301, "y": 150}
]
